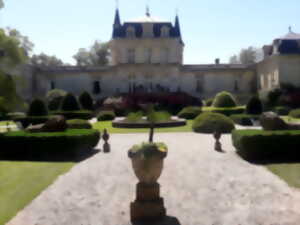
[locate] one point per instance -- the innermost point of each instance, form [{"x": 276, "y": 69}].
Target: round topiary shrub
[
  {"x": 86, "y": 101},
  {"x": 78, "y": 124},
  {"x": 210, "y": 122},
  {"x": 224, "y": 99},
  {"x": 189, "y": 113},
  {"x": 106, "y": 115},
  {"x": 295, "y": 113},
  {"x": 70, "y": 103},
  {"x": 209, "y": 102},
  {"x": 254, "y": 106},
  {"x": 282, "y": 110},
  {"x": 55, "y": 98},
  {"x": 37, "y": 108}
]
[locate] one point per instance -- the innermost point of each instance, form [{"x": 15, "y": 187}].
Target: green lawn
[
  {"x": 21, "y": 182},
  {"x": 4, "y": 123},
  {"x": 290, "y": 173},
  {"x": 108, "y": 125},
  {"x": 290, "y": 119}
]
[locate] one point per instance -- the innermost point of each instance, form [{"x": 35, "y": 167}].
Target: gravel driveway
[{"x": 200, "y": 187}]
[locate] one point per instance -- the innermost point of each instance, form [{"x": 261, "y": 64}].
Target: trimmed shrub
[
  {"x": 244, "y": 119},
  {"x": 15, "y": 115},
  {"x": 79, "y": 124},
  {"x": 34, "y": 120},
  {"x": 70, "y": 103},
  {"x": 80, "y": 114},
  {"x": 25, "y": 145},
  {"x": 134, "y": 117},
  {"x": 189, "y": 113},
  {"x": 223, "y": 100},
  {"x": 267, "y": 145},
  {"x": 106, "y": 115},
  {"x": 37, "y": 108},
  {"x": 54, "y": 98},
  {"x": 210, "y": 122},
  {"x": 158, "y": 117},
  {"x": 254, "y": 106},
  {"x": 86, "y": 101},
  {"x": 282, "y": 110},
  {"x": 295, "y": 113},
  {"x": 209, "y": 102},
  {"x": 225, "y": 111}
]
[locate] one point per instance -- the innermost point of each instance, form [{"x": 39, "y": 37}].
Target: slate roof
[
  {"x": 203, "y": 67},
  {"x": 290, "y": 36}
]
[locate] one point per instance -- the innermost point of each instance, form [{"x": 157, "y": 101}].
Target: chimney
[{"x": 217, "y": 61}]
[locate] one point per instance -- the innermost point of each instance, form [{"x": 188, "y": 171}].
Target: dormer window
[
  {"x": 165, "y": 31},
  {"x": 130, "y": 32}
]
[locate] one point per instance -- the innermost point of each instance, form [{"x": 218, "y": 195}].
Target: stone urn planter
[{"x": 147, "y": 162}]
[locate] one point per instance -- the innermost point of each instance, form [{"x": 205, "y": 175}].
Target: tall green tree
[
  {"x": 45, "y": 60},
  {"x": 248, "y": 55},
  {"x": 96, "y": 55}
]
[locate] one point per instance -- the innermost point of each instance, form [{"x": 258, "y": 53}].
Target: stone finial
[
  {"x": 218, "y": 145},
  {"x": 106, "y": 146},
  {"x": 290, "y": 29},
  {"x": 148, "y": 11}
]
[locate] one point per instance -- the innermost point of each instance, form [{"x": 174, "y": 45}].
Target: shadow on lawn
[
  {"x": 76, "y": 156},
  {"x": 167, "y": 221}
]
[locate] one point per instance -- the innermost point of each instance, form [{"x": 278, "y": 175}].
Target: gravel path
[{"x": 200, "y": 187}]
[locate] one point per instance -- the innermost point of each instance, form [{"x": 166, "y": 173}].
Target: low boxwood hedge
[
  {"x": 259, "y": 145},
  {"x": 189, "y": 113},
  {"x": 282, "y": 110},
  {"x": 210, "y": 122},
  {"x": 244, "y": 119},
  {"x": 80, "y": 114},
  {"x": 106, "y": 115},
  {"x": 79, "y": 124},
  {"x": 295, "y": 113},
  {"x": 26, "y": 145},
  {"x": 228, "y": 111}
]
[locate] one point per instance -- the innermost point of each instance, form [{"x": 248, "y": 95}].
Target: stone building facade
[{"x": 147, "y": 56}]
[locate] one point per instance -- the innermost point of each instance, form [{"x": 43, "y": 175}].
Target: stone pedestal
[{"x": 148, "y": 206}]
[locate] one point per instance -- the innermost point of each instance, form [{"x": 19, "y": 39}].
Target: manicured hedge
[
  {"x": 210, "y": 122},
  {"x": 37, "y": 108},
  {"x": 224, "y": 99},
  {"x": 189, "y": 113},
  {"x": 254, "y": 106},
  {"x": 282, "y": 110},
  {"x": 228, "y": 111},
  {"x": 295, "y": 113},
  {"x": 244, "y": 119},
  {"x": 81, "y": 114},
  {"x": 79, "y": 124},
  {"x": 70, "y": 103},
  {"x": 106, "y": 115},
  {"x": 267, "y": 145},
  {"x": 86, "y": 101},
  {"x": 25, "y": 145}
]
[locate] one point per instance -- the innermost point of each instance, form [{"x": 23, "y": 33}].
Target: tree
[
  {"x": 1, "y": 4},
  {"x": 96, "y": 55},
  {"x": 248, "y": 55},
  {"x": 45, "y": 60},
  {"x": 24, "y": 41}
]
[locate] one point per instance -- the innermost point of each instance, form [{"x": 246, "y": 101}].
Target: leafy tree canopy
[
  {"x": 247, "y": 56},
  {"x": 45, "y": 60}
]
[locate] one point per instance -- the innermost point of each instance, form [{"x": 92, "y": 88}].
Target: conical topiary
[
  {"x": 86, "y": 101},
  {"x": 37, "y": 108},
  {"x": 70, "y": 103},
  {"x": 254, "y": 106}
]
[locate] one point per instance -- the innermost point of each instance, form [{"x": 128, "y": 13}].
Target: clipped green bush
[
  {"x": 55, "y": 98},
  {"x": 79, "y": 124},
  {"x": 86, "y": 101},
  {"x": 134, "y": 117},
  {"x": 228, "y": 111},
  {"x": 209, "y": 102},
  {"x": 70, "y": 103},
  {"x": 31, "y": 120},
  {"x": 37, "y": 108},
  {"x": 24, "y": 145},
  {"x": 189, "y": 113},
  {"x": 295, "y": 113},
  {"x": 254, "y": 106},
  {"x": 15, "y": 115},
  {"x": 158, "y": 117},
  {"x": 267, "y": 145},
  {"x": 80, "y": 114},
  {"x": 244, "y": 119},
  {"x": 210, "y": 122},
  {"x": 282, "y": 110},
  {"x": 106, "y": 115},
  {"x": 224, "y": 99}
]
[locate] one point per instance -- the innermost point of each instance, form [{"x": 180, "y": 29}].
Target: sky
[{"x": 210, "y": 28}]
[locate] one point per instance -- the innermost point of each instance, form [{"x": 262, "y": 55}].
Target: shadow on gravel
[
  {"x": 169, "y": 220},
  {"x": 76, "y": 156}
]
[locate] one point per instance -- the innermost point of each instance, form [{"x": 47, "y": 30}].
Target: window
[
  {"x": 96, "y": 87},
  {"x": 164, "y": 55},
  {"x": 199, "y": 86},
  {"x": 148, "y": 55},
  {"x": 165, "y": 31},
  {"x": 130, "y": 32},
  {"x": 236, "y": 86},
  {"x": 52, "y": 85},
  {"x": 131, "y": 56}
]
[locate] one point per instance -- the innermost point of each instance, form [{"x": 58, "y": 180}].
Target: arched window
[
  {"x": 165, "y": 31},
  {"x": 130, "y": 32},
  {"x": 96, "y": 87}
]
